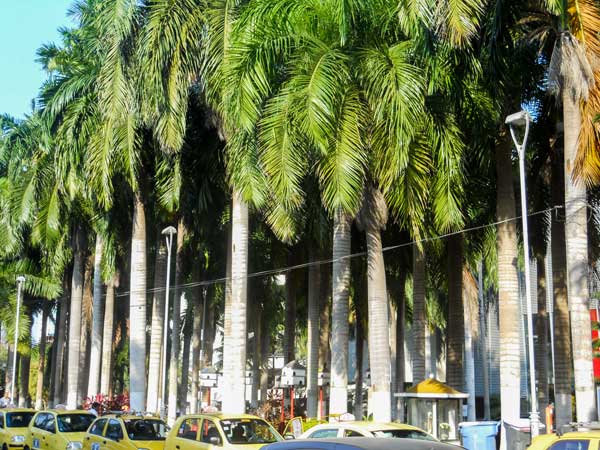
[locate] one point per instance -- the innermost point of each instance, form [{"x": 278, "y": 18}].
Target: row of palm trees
[{"x": 272, "y": 132}]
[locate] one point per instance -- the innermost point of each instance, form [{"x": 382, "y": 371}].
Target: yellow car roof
[
  {"x": 223, "y": 416},
  {"x": 9, "y": 410},
  {"x": 594, "y": 434},
  {"x": 67, "y": 411}
]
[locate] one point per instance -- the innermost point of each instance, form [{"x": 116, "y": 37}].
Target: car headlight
[
  {"x": 74, "y": 445},
  {"x": 17, "y": 439}
]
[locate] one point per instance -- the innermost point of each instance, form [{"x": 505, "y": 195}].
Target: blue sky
[{"x": 24, "y": 26}]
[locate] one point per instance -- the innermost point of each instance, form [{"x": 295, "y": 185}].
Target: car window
[
  {"x": 40, "y": 420},
  {"x": 50, "y": 425},
  {"x": 352, "y": 433},
  {"x": 209, "y": 430},
  {"x": 324, "y": 433},
  {"x": 570, "y": 445},
  {"x": 74, "y": 423},
  {"x": 114, "y": 430},
  {"x": 189, "y": 429},
  {"x": 146, "y": 429},
  {"x": 249, "y": 431},
  {"x": 18, "y": 419},
  {"x": 404, "y": 434},
  {"x": 98, "y": 427}
]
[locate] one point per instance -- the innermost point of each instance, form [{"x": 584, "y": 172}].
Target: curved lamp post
[
  {"x": 168, "y": 233},
  {"x": 515, "y": 121}
]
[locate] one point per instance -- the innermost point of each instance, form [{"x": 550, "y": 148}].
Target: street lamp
[
  {"x": 168, "y": 233},
  {"x": 20, "y": 280},
  {"x": 522, "y": 119}
]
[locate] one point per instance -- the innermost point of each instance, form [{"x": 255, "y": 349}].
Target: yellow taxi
[
  {"x": 223, "y": 431},
  {"x": 365, "y": 429},
  {"x": 14, "y": 423},
  {"x": 577, "y": 440},
  {"x": 58, "y": 430},
  {"x": 126, "y": 432}
]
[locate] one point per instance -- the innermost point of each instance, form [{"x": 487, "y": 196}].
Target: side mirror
[
  {"x": 289, "y": 437},
  {"x": 214, "y": 440}
]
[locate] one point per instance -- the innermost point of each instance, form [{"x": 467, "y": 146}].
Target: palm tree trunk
[
  {"x": 325, "y": 319},
  {"x": 59, "y": 346},
  {"x": 541, "y": 326},
  {"x": 86, "y": 325},
  {"x": 419, "y": 321},
  {"x": 563, "y": 369},
  {"x": 97, "y": 321},
  {"x": 107, "y": 335},
  {"x": 137, "y": 308},
  {"x": 338, "y": 401},
  {"x": 577, "y": 266},
  {"x": 75, "y": 319},
  {"x": 483, "y": 333},
  {"x": 471, "y": 313},
  {"x": 400, "y": 332},
  {"x": 234, "y": 353},
  {"x": 312, "y": 364},
  {"x": 158, "y": 318},
  {"x": 508, "y": 286},
  {"x": 358, "y": 380},
  {"x": 456, "y": 314},
  {"x": 175, "y": 334},
  {"x": 39, "y": 390},
  {"x": 379, "y": 334},
  {"x": 185, "y": 363},
  {"x": 199, "y": 317}
]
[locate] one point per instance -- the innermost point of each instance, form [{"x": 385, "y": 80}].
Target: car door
[
  {"x": 95, "y": 435},
  {"x": 113, "y": 436},
  {"x": 38, "y": 433},
  {"x": 210, "y": 435},
  {"x": 188, "y": 435},
  {"x": 49, "y": 437}
]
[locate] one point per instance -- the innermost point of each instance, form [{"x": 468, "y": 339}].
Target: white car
[{"x": 366, "y": 429}]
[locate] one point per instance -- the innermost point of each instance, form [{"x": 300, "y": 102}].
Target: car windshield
[
  {"x": 18, "y": 419},
  {"x": 405, "y": 434},
  {"x": 146, "y": 430},
  {"x": 249, "y": 431},
  {"x": 74, "y": 423}
]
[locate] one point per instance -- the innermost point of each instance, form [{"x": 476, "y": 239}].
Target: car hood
[{"x": 18, "y": 431}]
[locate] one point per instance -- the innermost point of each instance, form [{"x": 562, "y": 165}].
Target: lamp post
[
  {"x": 522, "y": 119},
  {"x": 168, "y": 233},
  {"x": 20, "y": 280}
]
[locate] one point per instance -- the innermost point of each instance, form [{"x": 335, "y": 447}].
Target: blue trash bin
[{"x": 479, "y": 435}]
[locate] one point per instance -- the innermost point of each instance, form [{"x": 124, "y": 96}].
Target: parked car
[
  {"x": 577, "y": 440},
  {"x": 14, "y": 423},
  {"x": 366, "y": 429},
  {"x": 58, "y": 430},
  {"x": 228, "y": 432},
  {"x": 360, "y": 443},
  {"x": 126, "y": 432}
]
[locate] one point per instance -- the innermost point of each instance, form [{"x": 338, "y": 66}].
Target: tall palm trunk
[
  {"x": 185, "y": 363},
  {"x": 107, "y": 335},
  {"x": 175, "y": 334},
  {"x": 400, "y": 332},
  {"x": 338, "y": 400},
  {"x": 577, "y": 265},
  {"x": 373, "y": 219},
  {"x": 471, "y": 326},
  {"x": 312, "y": 365},
  {"x": 97, "y": 321},
  {"x": 137, "y": 308},
  {"x": 419, "y": 322},
  {"x": 508, "y": 286},
  {"x": 199, "y": 317},
  {"x": 358, "y": 379},
  {"x": 158, "y": 318},
  {"x": 289, "y": 336},
  {"x": 234, "y": 353},
  {"x": 59, "y": 348},
  {"x": 563, "y": 368},
  {"x": 86, "y": 329},
  {"x": 325, "y": 320},
  {"x": 39, "y": 390},
  {"x": 541, "y": 331},
  {"x": 456, "y": 314},
  {"x": 75, "y": 319}
]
